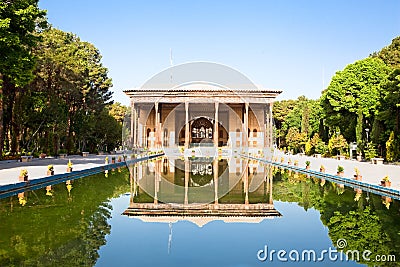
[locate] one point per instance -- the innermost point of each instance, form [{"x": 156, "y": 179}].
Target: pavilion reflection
[{"x": 201, "y": 190}]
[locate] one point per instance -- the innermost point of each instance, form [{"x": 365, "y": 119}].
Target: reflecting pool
[{"x": 209, "y": 213}]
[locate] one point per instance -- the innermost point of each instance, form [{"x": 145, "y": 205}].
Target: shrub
[
  {"x": 392, "y": 148},
  {"x": 337, "y": 144},
  {"x": 23, "y": 173},
  {"x": 340, "y": 169},
  {"x": 70, "y": 164},
  {"x": 321, "y": 148},
  {"x": 370, "y": 151}
]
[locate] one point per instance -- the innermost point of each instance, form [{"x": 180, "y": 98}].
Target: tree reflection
[
  {"x": 65, "y": 229},
  {"x": 363, "y": 220}
]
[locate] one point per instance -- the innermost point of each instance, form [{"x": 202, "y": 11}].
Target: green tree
[
  {"x": 118, "y": 111},
  {"x": 317, "y": 145},
  {"x": 361, "y": 229},
  {"x": 391, "y": 53},
  {"x": 280, "y": 111},
  {"x": 391, "y": 103},
  {"x": 296, "y": 140},
  {"x": 308, "y": 148},
  {"x": 19, "y": 21},
  {"x": 357, "y": 87},
  {"x": 337, "y": 145},
  {"x": 70, "y": 74},
  {"x": 359, "y": 130},
  {"x": 302, "y": 113},
  {"x": 392, "y": 148},
  {"x": 370, "y": 151}
]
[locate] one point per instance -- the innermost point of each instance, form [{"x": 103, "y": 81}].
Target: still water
[{"x": 82, "y": 223}]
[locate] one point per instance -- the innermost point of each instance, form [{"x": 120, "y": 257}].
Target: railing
[
  {"x": 375, "y": 189},
  {"x": 13, "y": 189},
  {"x": 201, "y": 145}
]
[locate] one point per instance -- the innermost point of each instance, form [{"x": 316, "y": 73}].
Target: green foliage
[
  {"x": 391, "y": 53},
  {"x": 23, "y": 173},
  {"x": 305, "y": 119},
  {"x": 392, "y": 148},
  {"x": 361, "y": 229},
  {"x": 302, "y": 113},
  {"x": 364, "y": 225},
  {"x": 337, "y": 145},
  {"x": 66, "y": 229},
  {"x": 308, "y": 148},
  {"x": 280, "y": 111},
  {"x": 390, "y": 110},
  {"x": 118, "y": 111},
  {"x": 340, "y": 168},
  {"x": 358, "y": 88},
  {"x": 370, "y": 151},
  {"x": 19, "y": 21},
  {"x": 67, "y": 105},
  {"x": 317, "y": 145},
  {"x": 321, "y": 148},
  {"x": 296, "y": 140},
  {"x": 359, "y": 129}
]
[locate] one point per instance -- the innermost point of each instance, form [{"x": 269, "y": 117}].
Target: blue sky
[{"x": 295, "y": 46}]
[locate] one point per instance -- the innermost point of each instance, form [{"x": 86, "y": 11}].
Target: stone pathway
[{"x": 37, "y": 168}]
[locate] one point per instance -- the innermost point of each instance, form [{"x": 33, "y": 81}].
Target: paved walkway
[
  {"x": 37, "y": 168},
  {"x": 371, "y": 173}
]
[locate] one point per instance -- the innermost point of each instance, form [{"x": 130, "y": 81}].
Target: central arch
[{"x": 201, "y": 131}]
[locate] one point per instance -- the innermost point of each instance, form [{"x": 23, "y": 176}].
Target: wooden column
[
  {"x": 135, "y": 180},
  {"x": 160, "y": 132},
  {"x": 132, "y": 189},
  {"x": 271, "y": 124},
  {"x": 132, "y": 137},
  {"x": 246, "y": 126},
  {"x": 270, "y": 185},
  {"x": 266, "y": 181},
  {"x": 133, "y": 177},
  {"x": 187, "y": 125},
  {"x": 156, "y": 122},
  {"x": 144, "y": 136},
  {"x": 187, "y": 173},
  {"x": 266, "y": 118},
  {"x": 135, "y": 128},
  {"x": 215, "y": 169},
  {"x": 246, "y": 182},
  {"x": 216, "y": 125},
  {"x": 156, "y": 180}
]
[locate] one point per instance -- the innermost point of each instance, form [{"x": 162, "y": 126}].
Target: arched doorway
[
  {"x": 201, "y": 133},
  {"x": 202, "y": 130}
]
